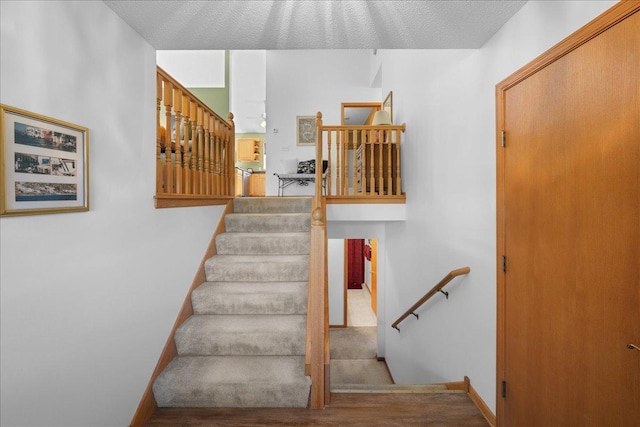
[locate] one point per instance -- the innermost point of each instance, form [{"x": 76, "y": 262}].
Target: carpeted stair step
[
  {"x": 250, "y": 298},
  {"x": 233, "y": 381},
  {"x": 392, "y": 388},
  {"x": 244, "y": 345},
  {"x": 359, "y": 371},
  {"x": 253, "y": 335},
  {"x": 263, "y": 268},
  {"x": 272, "y": 205},
  {"x": 263, "y": 243},
  {"x": 354, "y": 342},
  {"x": 267, "y": 223}
]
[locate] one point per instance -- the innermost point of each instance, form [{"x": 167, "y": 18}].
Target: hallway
[{"x": 354, "y": 349}]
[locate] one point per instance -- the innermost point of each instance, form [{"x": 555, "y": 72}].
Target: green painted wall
[{"x": 216, "y": 98}]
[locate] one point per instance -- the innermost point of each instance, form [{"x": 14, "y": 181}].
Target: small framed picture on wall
[
  {"x": 306, "y": 130},
  {"x": 45, "y": 164}
]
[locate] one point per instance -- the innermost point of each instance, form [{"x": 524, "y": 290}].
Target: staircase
[
  {"x": 244, "y": 346},
  {"x": 354, "y": 358}
]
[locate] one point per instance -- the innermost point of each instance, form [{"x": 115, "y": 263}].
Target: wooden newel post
[{"x": 317, "y": 309}]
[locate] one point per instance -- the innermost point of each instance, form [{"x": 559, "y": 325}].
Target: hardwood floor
[{"x": 366, "y": 409}]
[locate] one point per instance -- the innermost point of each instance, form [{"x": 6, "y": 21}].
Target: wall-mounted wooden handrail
[{"x": 437, "y": 288}]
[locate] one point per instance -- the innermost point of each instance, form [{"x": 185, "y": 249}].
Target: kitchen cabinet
[
  {"x": 248, "y": 150},
  {"x": 257, "y": 184}
]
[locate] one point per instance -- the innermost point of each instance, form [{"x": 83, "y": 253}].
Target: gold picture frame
[
  {"x": 306, "y": 130},
  {"x": 387, "y": 105},
  {"x": 45, "y": 164}
]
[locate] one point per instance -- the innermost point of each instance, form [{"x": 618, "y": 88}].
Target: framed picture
[
  {"x": 45, "y": 164},
  {"x": 387, "y": 105},
  {"x": 306, "y": 130}
]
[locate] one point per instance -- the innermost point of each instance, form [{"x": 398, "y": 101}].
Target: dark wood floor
[{"x": 366, "y": 409}]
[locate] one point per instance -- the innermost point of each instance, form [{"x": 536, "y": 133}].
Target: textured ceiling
[{"x": 315, "y": 24}]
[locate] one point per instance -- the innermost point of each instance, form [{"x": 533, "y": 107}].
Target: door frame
[{"x": 608, "y": 19}]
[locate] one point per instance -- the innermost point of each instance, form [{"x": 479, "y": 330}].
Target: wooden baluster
[
  {"x": 341, "y": 162},
  {"x": 398, "y": 174},
  {"x": 389, "y": 172},
  {"x": 216, "y": 157},
  {"x": 366, "y": 136},
  {"x": 329, "y": 158},
  {"x": 228, "y": 158},
  {"x": 212, "y": 156},
  {"x": 339, "y": 172},
  {"x": 380, "y": 169},
  {"x": 227, "y": 139},
  {"x": 371, "y": 166},
  {"x": 159, "y": 186},
  {"x": 336, "y": 141},
  {"x": 356, "y": 143},
  {"x": 318, "y": 147},
  {"x": 168, "y": 169},
  {"x": 186, "y": 146},
  {"x": 227, "y": 142},
  {"x": 217, "y": 153},
  {"x": 194, "y": 146},
  {"x": 345, "y": 162},
  {"x": 223, "y": 144},
  {"x": 207, "y": 152},
  {"x": 177, "y": 96},
  {"x": 200, "y": 156}
]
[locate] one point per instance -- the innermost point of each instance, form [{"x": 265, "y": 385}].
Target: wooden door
[
  {"x": 569, "y": 227},
  {"x": 374, "y": 275}
]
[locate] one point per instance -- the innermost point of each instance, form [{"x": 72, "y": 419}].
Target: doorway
[
  {"x": 569, "y": 231},
  {"x": 360, "y": 286}
]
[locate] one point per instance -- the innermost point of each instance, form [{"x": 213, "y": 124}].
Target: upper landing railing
[
  {"x": 363, "y": 162},
  {"x": 194, "y": 149}
]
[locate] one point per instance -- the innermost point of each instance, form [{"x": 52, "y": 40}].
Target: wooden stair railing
[
  {"x": 317, "y": 346},
  {"x": 194, "y": 148},
  {"x": 437, "y": 288},
  {"x": 363, "y": 162}
]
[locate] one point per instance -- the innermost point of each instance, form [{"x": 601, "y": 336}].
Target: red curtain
[{"x": 355, "y": 259}]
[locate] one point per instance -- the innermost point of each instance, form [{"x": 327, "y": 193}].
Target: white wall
[
  {"x": 247, "y": 89},
  {"x": 88, "y": 299},
  {"x": 301, "y": 83},
  {"x": 194, "y": 68},
  {"x": 447, "y": 99},
  {"x": 335, "y": 264}
]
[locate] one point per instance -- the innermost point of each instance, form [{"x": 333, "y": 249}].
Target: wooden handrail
[{"x": 437, "y": 288}]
